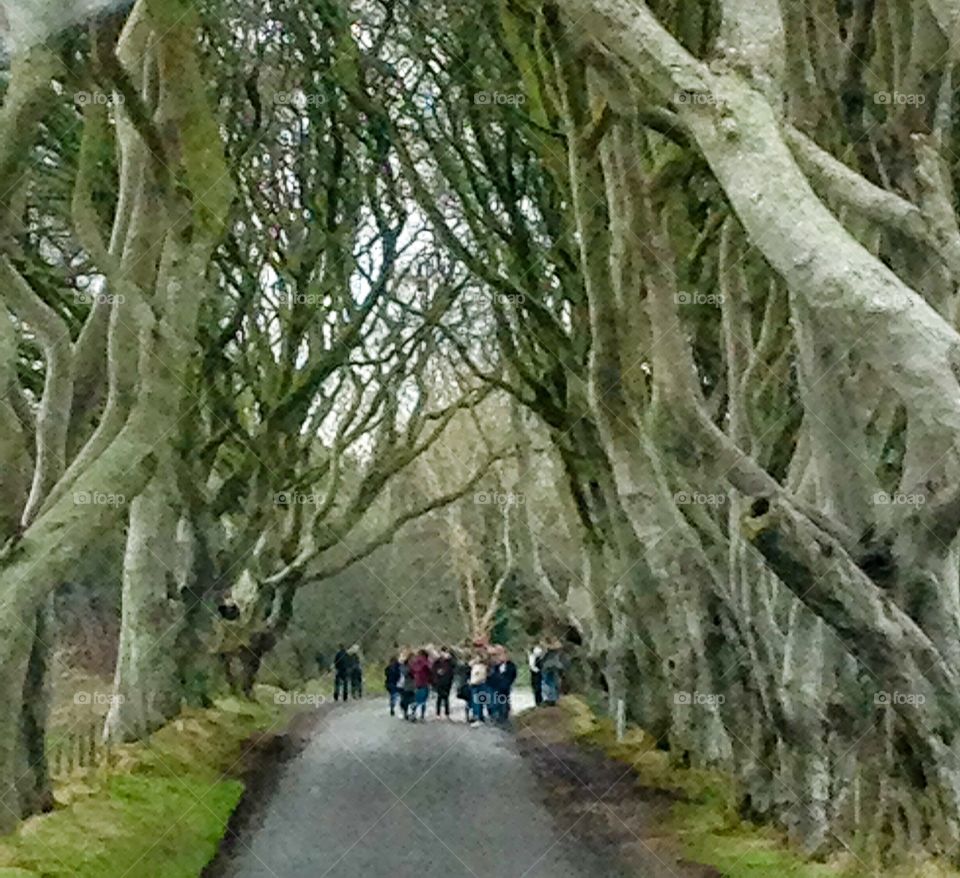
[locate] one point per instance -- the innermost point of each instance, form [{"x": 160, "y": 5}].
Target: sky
[{"x": 24, "y": 23}]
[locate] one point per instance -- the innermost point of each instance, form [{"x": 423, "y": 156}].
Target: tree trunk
[
  {"x": 18, "y": 640},
  {"x": 146, "y": 690},
  {"x": 36, "y": 791}
]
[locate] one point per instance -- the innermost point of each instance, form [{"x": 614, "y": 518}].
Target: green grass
[
  {"x": 159, "y": 810},
  {"x": 705, "y": 819}
]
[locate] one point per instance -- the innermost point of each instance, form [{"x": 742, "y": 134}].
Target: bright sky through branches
[{"x": 25, "y": 23}]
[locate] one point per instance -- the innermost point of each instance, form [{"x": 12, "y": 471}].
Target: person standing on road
[
  {"x": 479, "y": 694},
  {"x": 442, "y": 677},
  {"x": 535, "y": 659},
  {"x": 503, "y": 673},
  {"x": 392, "y": 676},
  {"x": 552, "y": 668},
  {"x": 420, "y": 670},
  {"x": 407, "y": 686},
  {"x": 341, "y": 673},
  {"x": 461, "y": 679},
  {"x": 356, "y": 671}
]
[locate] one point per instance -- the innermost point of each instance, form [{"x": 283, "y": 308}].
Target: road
[{"x": 374, "y": 797}]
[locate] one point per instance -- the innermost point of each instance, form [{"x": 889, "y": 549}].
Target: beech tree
[
  {"x": 154, "y": 249},
  {"x": 718, "y": 249},
  {"x": 685, "y": 272},
  {"x": 236, "y": 343}
]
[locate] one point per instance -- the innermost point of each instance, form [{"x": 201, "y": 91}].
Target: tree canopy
[{"x": 645, "y": 312}]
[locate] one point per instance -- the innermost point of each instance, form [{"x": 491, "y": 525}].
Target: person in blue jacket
[{"x": 392, "y": 675}]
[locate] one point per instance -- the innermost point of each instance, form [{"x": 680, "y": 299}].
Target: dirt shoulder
[{"x": 600, "y": 800}]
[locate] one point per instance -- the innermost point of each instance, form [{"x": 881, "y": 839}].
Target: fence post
[
  {"x": 55, "y": 755},
  {"x": 92, "y": 744}
]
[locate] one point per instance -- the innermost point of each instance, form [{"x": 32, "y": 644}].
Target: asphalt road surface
[{"x": 372, "y": 796}]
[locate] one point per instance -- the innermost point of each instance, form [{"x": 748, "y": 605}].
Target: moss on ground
[
  {"x": 159, "y": 809},
  {"x": 705, "y": 820}
]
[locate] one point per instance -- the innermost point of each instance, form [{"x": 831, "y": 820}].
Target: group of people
[
  {"x": 482, "y": 676},
  {"x": 347, "y": 673}
]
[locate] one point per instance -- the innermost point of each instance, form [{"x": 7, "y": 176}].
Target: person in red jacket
[{"x": 420, "y": 670}]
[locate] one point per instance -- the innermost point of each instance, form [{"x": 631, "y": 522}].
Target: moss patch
[{"x": 159, "y": 809}]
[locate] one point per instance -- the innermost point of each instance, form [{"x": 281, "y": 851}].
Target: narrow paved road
[{"x": 374, "y": 797}]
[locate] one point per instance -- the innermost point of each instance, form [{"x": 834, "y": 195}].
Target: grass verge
[
  {"x": 704, "y": 819},
  {"x": 159, "y": 809}
]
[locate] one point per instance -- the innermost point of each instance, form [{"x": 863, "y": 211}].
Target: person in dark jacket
[
  {"x": 392, "y": 675},
  {"x": 552, "y": 668},
  {"x": 535, "y": 660},
  {"x": 500, "y": 680},
  {"x": 442, "y": 678},
  {"x": 408, "y": 687},
  {"x": 461, "y": 679},
  {"x": 356, "y": 671},
  {"x": 341, "y": 673}
]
